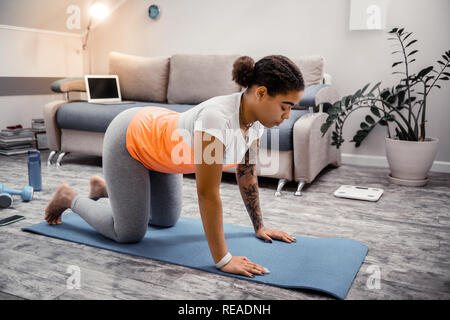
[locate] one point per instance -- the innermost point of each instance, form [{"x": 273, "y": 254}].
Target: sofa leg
[
  {"x": 61, "y": 155},
  {"x": 299, "y": 188},
  {"x": 50, "y": 157},
  {"x": 280, "y": 186}
]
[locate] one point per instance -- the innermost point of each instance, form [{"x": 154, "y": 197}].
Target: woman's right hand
[{"x": 243, "y": 266}]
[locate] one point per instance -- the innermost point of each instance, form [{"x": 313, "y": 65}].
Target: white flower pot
[{"x": 410, "y": 161}]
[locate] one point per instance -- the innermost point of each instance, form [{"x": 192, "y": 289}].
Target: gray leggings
[{"x": 137, "y": 196}]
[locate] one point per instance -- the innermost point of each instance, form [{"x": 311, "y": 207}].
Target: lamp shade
[{"x": 99, "y": 11}]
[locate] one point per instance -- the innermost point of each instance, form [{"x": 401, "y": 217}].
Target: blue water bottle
[{"x": 34, "y": 169}]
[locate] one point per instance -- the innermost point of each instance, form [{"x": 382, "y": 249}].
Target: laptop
[{"x": 104, "y": 89}]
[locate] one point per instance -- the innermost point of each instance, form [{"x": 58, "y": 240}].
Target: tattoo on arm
[{"x": 248, "y": 186}]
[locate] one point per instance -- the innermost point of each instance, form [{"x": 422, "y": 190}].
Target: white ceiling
[{"x": 46, "y": 14}]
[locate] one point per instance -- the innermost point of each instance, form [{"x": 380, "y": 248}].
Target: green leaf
[
  {"x": 324, "y": 128},
  {"x": 347, "y": 100},
  {"x": 359, "y": 137},
  {"x": 410, "y": 43},
  {"x": 355, "y": 96},
  {"x": 374, "y": 87},
  {"x": 370, "y": 120},
  {"x": 424, "y": 72},
  {"x": 401, "y": 31},
  {"x": 440, "y": 62},
  {"x": 361, "y": 133},
  {"x": 410, "y": 100},
  {"x": 375, "y": 111},
  {"x": 396, "y": 63},
  {"x": 393, "y": 30},
  {"x": 332, "y": 117},
  {"x": 391, "y": 98},
  {"x": 382, "y": 122},
  {"x": 364, "y": 89},
  {"x": 401, "y": 97},
  {"x": 333, "y": 111},
  {"x": 444, "y": 78},
  {"x": 384, "y": 94},
  {"x": 412, "y": 52},
  {"x": 407, "y": 36},
  {"x": 446, "y": 73},
  {"x": 412, "y": 61}
]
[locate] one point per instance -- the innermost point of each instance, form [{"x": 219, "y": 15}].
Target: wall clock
[{"x": 153, "y": 11}]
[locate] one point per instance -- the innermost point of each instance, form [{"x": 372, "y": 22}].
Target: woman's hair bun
[{"x": 243, "y": 71}]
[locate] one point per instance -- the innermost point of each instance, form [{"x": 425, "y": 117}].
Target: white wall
[
  {"x": 292, "y": 28},
  {"x": 27, "y": 53},
  {"x": 34, "y": 53}
]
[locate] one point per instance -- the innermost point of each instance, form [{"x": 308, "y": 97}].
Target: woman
[{"x": 146, "y": 150}]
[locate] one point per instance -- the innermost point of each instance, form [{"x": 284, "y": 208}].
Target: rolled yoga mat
[{"x": 327, "y": 265}]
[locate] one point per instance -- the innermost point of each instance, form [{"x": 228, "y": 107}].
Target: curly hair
[{"x": 276, "y": 72}]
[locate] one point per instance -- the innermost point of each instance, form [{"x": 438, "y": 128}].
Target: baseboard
[{"x": 381, "y": 162}]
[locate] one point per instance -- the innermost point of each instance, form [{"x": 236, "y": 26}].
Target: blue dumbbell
[
  {"x": 5, "y": 200},
  {"x": 26, "y": 193}
]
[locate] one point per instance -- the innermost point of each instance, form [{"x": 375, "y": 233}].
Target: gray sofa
[{"x": 180, "y": 82}]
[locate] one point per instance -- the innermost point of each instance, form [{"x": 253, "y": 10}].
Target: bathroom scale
[{"x": 358, "y": 193}]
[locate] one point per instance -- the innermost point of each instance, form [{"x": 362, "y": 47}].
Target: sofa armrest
[
  {"x": 327, "y": 78},
  {"x": 316, "y": 95},
  {"x": 69, "y": 84},
  {"x": 312, "y": 152},
  {"x": 53, "y": 131}
]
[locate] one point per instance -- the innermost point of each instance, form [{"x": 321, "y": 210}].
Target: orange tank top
[{"x": 153, "y": 139}]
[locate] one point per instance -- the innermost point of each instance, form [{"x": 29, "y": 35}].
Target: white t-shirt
[{"x": 219, "y": 116}]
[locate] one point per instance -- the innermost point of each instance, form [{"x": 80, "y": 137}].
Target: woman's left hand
[{"x": 268, "y": 235}]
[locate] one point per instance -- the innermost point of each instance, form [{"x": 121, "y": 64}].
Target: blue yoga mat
[{"x": 327, "y": 265}]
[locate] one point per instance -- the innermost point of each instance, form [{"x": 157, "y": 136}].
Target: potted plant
[{"x": 409, "y": 151}]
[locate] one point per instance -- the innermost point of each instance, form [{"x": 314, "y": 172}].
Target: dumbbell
[
  {"x": 5, "y": 200},
  {"x": 26, "y": 193}
]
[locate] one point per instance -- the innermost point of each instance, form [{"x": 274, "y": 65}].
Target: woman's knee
[
  {"x": 130, "y": 237},
  {"x": 166, "y": 198},
  {"x": 165, "y": 219}
]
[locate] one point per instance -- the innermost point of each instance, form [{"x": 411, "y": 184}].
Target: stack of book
[
  {"x": 38, "y": 124},
  {"x": 16, "y": 141}
]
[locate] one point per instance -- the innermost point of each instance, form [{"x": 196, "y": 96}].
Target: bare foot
[
  {"x": 98, "y": 188},
  {"x": 62, "y": 199}
]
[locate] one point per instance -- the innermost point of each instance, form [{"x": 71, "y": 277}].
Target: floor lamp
[{"x": 97, "y": 11}]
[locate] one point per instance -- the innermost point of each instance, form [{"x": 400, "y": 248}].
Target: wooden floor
[{"x": 407, "y": 232}]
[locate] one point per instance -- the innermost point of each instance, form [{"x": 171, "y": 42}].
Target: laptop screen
[{"x": 103, "y": 88}]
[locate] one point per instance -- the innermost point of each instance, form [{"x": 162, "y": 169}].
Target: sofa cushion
[
  {"x": 196, "y": 78},
  {"x": 141, "y": 78},
  {"x": 81, "y": 115},
  {"x": 311, "y": 67},
  {"x": 285, "y": 132}
]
